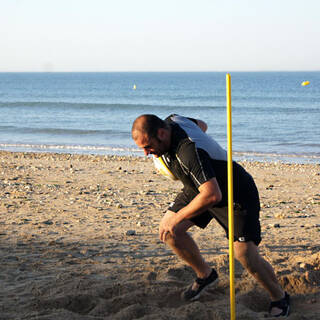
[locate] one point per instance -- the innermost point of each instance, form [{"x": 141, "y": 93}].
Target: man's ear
[{"x": 162, "y": 133}]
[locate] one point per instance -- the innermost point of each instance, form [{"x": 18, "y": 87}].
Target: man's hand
[{"x": 167, "y": 225}]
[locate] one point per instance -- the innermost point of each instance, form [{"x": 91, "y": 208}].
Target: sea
[{"x": 274, "y": 117}]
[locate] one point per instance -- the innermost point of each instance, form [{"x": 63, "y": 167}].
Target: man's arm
[
  {"x": 203, "y": 126},
  {"x": 200, "y": 123},
  {"x": 198, "y": 165},
  {"x": 209, "y": 195}
]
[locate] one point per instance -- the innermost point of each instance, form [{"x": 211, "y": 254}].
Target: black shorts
[{"x": 246, "y": 216}]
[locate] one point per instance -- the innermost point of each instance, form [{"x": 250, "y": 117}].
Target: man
[{"x": 201, "y": 165}]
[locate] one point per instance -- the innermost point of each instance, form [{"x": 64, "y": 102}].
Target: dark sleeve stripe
[{"x": 183, "y": 166}]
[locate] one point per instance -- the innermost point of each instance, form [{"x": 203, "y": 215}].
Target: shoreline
[
  {"x": 79, "y": 240},
  {"x": 130, "y": 152}
]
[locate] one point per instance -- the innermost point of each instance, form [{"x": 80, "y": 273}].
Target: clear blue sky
[{"x": 153, "y": 35}]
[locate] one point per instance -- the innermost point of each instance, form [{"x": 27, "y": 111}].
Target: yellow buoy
[
  {"x": 134, "y": 87},
  {"x": 305, "y": 83},
  {"x": 162, "y": 168}
]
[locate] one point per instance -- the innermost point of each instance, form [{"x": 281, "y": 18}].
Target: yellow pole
[{"x": 230, "y": 201}]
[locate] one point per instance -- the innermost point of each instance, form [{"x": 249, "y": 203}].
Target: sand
[{"x": 79, "y": 240}]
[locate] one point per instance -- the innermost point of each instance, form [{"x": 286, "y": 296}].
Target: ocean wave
[
  {"x": 164, "y": 106},
  {"x": 65, "y": 148},
  {"x": 119, "y": 150},
  {"x": 50, "y": 104},
  {"x": 61, "y": 131},
  {"x": 102, "y": 106},
  {"x": 288, "y": 157}
]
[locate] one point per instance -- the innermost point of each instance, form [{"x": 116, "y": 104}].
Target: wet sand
[{"x": 79, "y": 240}]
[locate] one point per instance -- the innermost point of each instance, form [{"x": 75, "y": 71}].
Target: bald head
[
  {"x": 151, "y": 134},
  {"x": 147, "y": 124}
]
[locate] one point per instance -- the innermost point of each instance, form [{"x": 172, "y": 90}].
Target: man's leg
[
  {"x": 248, "y": 255},
  {"x": 184, "y": 246}
]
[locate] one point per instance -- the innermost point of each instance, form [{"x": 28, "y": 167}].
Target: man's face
[{"x": 152, "y": 145}]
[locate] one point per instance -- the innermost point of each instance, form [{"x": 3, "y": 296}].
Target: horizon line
[{"x": 157, "y": 71}]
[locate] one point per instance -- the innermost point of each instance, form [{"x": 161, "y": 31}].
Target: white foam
[{"x": 66, "y": 148}]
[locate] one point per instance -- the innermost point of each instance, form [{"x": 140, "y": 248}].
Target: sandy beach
[{"x": 79, "y": 240}]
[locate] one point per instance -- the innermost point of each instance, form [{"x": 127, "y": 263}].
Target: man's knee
[
  {"x": 173, "y": 238},
  {"x": 179, "y": 233},
  {"x": 170, "y": 239}
]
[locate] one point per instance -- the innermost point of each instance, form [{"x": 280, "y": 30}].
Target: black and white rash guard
[{"x": 194, "y": 158}]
